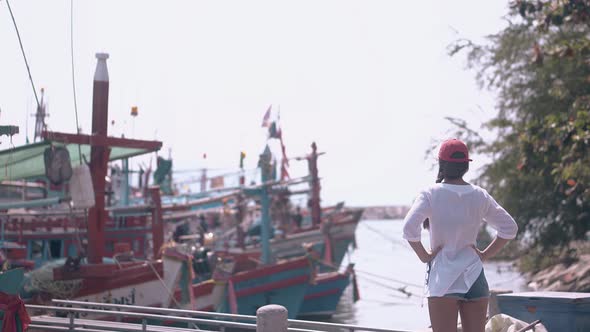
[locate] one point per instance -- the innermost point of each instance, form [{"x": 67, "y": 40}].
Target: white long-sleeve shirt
[{"x": 456, "y": 213}]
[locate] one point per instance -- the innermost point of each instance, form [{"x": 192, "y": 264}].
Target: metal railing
[{"x": 219, "y": 321}]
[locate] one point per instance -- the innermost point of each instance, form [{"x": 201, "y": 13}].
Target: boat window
[{"x": 55, "y": 249}]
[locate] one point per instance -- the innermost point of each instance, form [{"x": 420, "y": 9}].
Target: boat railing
[
  {"x": 220, "y": 321},
  {"x": 73, "y": 323}
]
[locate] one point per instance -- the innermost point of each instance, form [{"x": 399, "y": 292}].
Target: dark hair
[{"x": 449, "y": 170}]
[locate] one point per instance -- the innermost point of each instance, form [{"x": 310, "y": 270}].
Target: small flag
[
  {"x": 266, "y": 118},
  {"x": 273, "y": 131}
]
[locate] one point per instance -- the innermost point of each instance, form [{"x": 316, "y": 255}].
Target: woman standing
[{"x": 456, "y": 283}]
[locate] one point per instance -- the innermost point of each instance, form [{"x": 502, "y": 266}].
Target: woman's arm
[
  {"x": 500, "y": 220},
  {"x": 422, "y": 253},
  {"x": 413, "y": 221},
  {"x": 504, "y": 225},
  {"x": 492, "y": 249}
]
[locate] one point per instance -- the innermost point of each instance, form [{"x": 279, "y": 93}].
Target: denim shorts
[{"x": 479, "y": 290}]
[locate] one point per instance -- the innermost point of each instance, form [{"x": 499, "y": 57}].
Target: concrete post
[{"x": 271, "y": 318}]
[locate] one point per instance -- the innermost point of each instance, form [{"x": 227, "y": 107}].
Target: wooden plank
[
  {"x": 94, "y": 140},
  {"x": 530, "y": 326}
]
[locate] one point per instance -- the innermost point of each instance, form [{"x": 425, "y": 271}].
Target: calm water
[{"x": 383, "y": 253}]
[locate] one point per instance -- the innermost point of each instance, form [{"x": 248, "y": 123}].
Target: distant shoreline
[{"x": 384, "y": 212}]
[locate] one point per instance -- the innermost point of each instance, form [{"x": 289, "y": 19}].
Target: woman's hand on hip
[
  {"x": 424, "y": 255},
  {"x": 497, "y": 244},
  {"x": 481, "y": 254},
  {"x": 430, "y": 255}
]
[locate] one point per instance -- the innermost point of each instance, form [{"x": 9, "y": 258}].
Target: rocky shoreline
[{"x": 574, "y": 277}]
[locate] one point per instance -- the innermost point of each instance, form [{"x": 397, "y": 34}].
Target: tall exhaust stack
[{"x": 99, "y": 157}]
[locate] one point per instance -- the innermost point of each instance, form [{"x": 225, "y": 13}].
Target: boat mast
[
  {"x": 99, "y": 157},
  {"x": 100, "y": 147},
  {"x": 266, "y": 172},
  {"x": 125, "y": 194},
  {"x": 316, "y": 211}
]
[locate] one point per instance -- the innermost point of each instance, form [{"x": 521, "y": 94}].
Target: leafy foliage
[{"x": 539, "y": 65}]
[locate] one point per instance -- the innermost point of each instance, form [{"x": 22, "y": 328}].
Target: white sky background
[{"x": 369, "y": 81}]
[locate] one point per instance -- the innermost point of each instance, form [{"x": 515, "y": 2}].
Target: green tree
[{"x": 539, "y": 66}]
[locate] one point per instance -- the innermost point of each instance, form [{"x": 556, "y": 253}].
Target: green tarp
[{"x": 27, "y": 161}]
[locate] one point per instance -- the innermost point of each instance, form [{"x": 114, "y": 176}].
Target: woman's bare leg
[
  {"x": 473, "y": 315},
  {"x": 443, "y": 314}
]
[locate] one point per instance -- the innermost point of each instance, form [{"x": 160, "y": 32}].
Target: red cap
[{"x": 451, "y": 146}]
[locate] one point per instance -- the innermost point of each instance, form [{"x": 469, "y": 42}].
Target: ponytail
[{"x": 439, "y": 178}]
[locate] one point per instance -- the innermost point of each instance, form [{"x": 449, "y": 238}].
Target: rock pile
[{"x": 564, "y": 278}]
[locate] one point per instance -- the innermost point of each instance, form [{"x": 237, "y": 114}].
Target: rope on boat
[
  {"x": 386, "y": 302},
  {"x": 178, "y": 305},
  {"x": 73, "y": 75},
  {"x": 406, "y": 297},
  {"x": 402, "y": 290},
  {"x": 24, "y": 55},
  {"x": 385, "y": 236},
  {"x": 404, "y": 283}
]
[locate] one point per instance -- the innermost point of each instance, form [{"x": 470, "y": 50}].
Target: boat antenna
[
  {"x": 74, "y": 76},
  {"x": 40, "y": 125},
  {"x": 24, "y": 55}
]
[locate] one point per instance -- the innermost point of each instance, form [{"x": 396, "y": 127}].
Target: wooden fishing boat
[
  {"x": 256, "y": 284},
  {"x": 139, "y": 283},
  {"x": 277, "y": 282},
  {"x": 60, "y": 233},
  {"x": 332, "y": 239},
  {"x": 13, "y": 256},
  {"x": 557, "y": 311},
  {"x": 330, "y": 229},
  {"x": 323, "y": 295},
  {"x": 284, "y": 283},
  {"x": 90, "y": 277}
]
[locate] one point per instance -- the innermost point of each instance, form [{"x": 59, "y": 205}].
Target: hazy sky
[{"x": 369, "y": 81}]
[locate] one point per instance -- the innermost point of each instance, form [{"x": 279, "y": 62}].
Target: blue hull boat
[
  {"x": 321, "y": 299},
  {"x": 557, "y": 311},
  {"x": 282, "y": 283}
]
